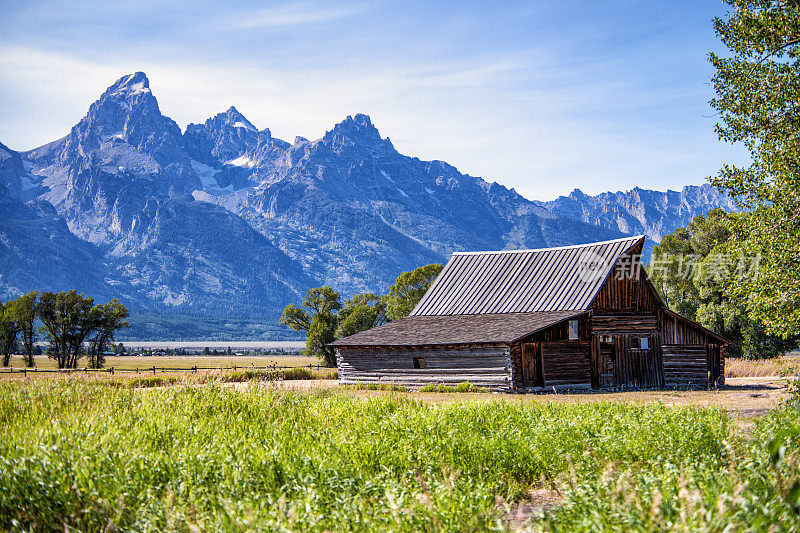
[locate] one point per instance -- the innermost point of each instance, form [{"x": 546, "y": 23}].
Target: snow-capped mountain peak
[{"x": 226, "y": 217}]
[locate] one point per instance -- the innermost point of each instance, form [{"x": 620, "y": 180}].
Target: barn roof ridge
[
  {"x": 521, "y": 281},
  {"x": 551, "y": 248}
]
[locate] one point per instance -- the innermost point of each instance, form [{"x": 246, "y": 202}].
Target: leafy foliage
[
  {"x": 324, "y": 318},
  {"x": 70, "y": 318},
  {"x": 8, "y": 331},
  {"x": 23, "y": 310},
  {"x": 408, "y": 290},
  {"x": 693, "y": 269},
  {"x": 360, "y": 313},
  {"x": 758, "y": 99},
  {"x": 318, "y": 318},
  {"x": 110, "y": 319}
]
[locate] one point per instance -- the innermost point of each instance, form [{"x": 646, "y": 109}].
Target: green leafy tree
[
  {"x": 68, "y": 319},
  {"x": 324, "y": 318},
  {"x": 360, "y": 313},
  {"x": 318, "y": 317},
  {"x": 8, "y": 332},
  {"x": 24, "y": 312},
  {"x": 758, "y": 99},
  {"x": 110, "y": 318},
  {"x": 408, "y": 290},
  {"x": 692, "y": 269},
  {"x": 676, "y": 255}
]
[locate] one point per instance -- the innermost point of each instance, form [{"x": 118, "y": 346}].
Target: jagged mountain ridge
[
  {"x": 224, "y": 216},
  {"x": 642, "y": 211}
]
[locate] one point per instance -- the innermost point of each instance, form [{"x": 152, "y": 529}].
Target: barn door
[
  {"x": 713, "y": 364},
  {"x": 621, "y": 350},
  {"x": 607, "y": 360},
  {"x": 532, "y": 374}
]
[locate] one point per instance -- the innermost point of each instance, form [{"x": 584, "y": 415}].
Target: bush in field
[
  {"x": 464, "y": 386},
  {"x": 376, "y": 386}
]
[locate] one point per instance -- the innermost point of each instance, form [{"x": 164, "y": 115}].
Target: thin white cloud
[
  {"x": 293, "y": 15},
  {"x": 531, "y": 136}
]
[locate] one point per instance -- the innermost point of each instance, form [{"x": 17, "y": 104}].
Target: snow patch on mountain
[{"x": 242, "y": 161}]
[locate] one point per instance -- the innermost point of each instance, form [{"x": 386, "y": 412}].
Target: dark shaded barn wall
[
  {"x": 692, "y": 356},
  {"x": 486, "y": 365},
  {"x": 549, "y": 359},
  {"x": 626, "y": 311}
]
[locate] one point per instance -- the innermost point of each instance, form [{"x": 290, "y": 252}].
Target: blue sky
[{"x": 541, "y": 96}]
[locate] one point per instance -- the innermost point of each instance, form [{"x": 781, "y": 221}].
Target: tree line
[
  {"x": 758, "y": 105},
  {"x": 324, "y": 317},
  {"x": 73, "y": 325},
  {"x": 693, "y": 269}
]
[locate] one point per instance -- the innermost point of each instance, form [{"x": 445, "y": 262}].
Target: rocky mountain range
[
  {"x": 224, "y": 218},
  {"x": 641, "y": 211}
]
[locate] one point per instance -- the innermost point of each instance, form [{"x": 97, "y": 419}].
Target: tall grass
[
  {"x": 778, "y": 366},
  {"x": 90, "y": 457}
]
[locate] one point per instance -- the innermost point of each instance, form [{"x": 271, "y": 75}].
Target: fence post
[{"x": 154, "y": 370}]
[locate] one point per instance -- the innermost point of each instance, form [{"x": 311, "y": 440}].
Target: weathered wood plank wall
[
  {"x": 566, "y": 363},
  {"x": 637, "y": 367},
  {"x": 483, "y": 365},
  {"x": 685, "y": 365}
]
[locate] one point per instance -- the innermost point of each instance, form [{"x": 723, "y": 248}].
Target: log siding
[{"x": 483, "y": 365}]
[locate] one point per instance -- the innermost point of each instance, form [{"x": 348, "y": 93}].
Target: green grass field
[
  {"x": 180, "y": 361},
  {"x": 77, "y": 454}
]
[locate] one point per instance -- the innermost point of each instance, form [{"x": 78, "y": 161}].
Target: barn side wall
[
  {"x": 486, "y": 365},
  {"x": 565, "y": 362},
  {"x": 692, "y": 357}
]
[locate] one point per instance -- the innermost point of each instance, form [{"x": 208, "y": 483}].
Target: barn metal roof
[
  {"x": 456, "y": 329},
  {"x": 523, "y": 281}
]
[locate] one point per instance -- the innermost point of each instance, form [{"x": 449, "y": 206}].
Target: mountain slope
[
  {"x": 356, "y": 213},
  {"x": 122, "y": 180},
  {"x": 223, "y": 218},
  {"x": 642, "y": 211}
]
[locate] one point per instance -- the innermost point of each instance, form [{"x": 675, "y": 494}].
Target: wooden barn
[{"x": 576, "y": 317}]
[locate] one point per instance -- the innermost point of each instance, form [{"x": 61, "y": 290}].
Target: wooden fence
[{"x": 151, "y": 370}]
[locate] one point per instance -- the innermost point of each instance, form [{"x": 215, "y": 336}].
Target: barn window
[
  {"x": 640, "y": 343},
  {"x": 573, "y": 330},
  {"x": 607, "y": 339},
  {"x": 419, "y": 362}
]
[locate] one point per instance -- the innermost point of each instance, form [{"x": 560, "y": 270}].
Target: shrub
[
  {"x": 377, "y": 386},
  {"x": 464, "y": 386}
]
